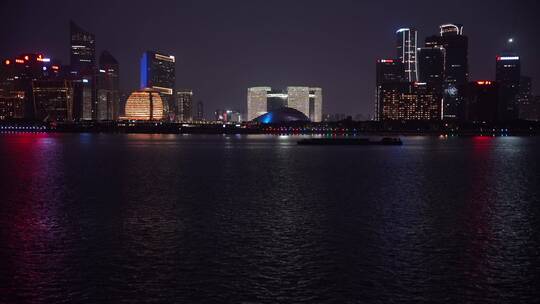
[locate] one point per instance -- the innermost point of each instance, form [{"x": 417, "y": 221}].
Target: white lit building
[
  {"x": 261, "y": 100},
  {"x": 407, "y": 49}
]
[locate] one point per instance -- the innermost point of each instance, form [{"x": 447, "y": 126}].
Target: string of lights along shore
[{"x": 428, "y": 82}]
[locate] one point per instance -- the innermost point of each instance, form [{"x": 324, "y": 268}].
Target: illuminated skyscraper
[
  {"x": 407, "y": 52},
  {"x": 108, "y": 91},
  {"x": 431, "y": 71},
  {"x": 200, "y": 111},
  {"x": 257, "y": 101},
  {"x": 388, "y": 71},
  {"x": 184, "y": 105},
  {"x": 315, "y": 104},
  {"x": 508, "y": 76},
  {"x": 431, "y": 65},
  {"x": 298, "y": 98},
  {"x": 83, "y": 49},
  {"x": 158, "y": 73},
  {"x": 456, "y": 68},
  {"x": 53, "y": 100},
  {"x": 307, "y": 100},
  {"x": 525, "y": 98}
]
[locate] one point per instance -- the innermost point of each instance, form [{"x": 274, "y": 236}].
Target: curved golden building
[{"x": 144, "y": 105}]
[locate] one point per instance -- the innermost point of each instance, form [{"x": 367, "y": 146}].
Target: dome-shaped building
[
  {"x": 282, "y": 115},
  {"x": 145, "y": 104}
]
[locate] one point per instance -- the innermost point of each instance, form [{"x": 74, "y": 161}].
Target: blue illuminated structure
[
  {"x": 282, "y": 115},
  {"x": 144, "y": 71}
]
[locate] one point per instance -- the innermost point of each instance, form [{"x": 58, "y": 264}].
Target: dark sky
[{"x": 223, "y": 47}]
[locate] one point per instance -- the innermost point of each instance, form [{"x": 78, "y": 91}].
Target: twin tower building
[{"x": 305, "y": 101}]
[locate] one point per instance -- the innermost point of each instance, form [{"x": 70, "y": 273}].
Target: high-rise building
[
  {"x": 276, "y": 99},
  {"x": 18, "y": 74},
  {"x": 408, "y": 101},
  {"x": 83, "y": 49},
  {"x": 200, "y": 111},
  {"x": 431, "y": 70},
  {"x": 431, "y": 65},
  {"x": 407, "y": 52},
  {"x": 388, "y": 71},
  {"x": 184, "y": 105},
  {"x": 53, "y": 100},
  {"x": 315, "y": 104},
  {"x": 531, "y": 110},
  {"x": 108, "y": 90},
  {"x": 257, "y": 101},
  {"x": 508, "y": 76},
  {"x": 456, "y": 68},
  {"x": 83, "y": 73},
  {"x": 158, "y": 73},
  {"x": 298, "y": 98},
  {"x": 11, "y": 104},
  {"x": 525, "y": 97},
  {"x": 261, "y": 100},
  {"x": 86, "y": 97},
  {"x": 482, "y": 101}
]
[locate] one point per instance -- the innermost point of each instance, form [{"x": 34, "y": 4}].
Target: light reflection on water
[{"x": 122, "y": 218}]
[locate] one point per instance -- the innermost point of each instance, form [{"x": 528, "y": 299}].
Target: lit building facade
[
  {"x": 11, "y": 105},
  {"x": 184, "y": 105},
  {"x": 17, "y": 75},
  {"x": 200, "y": 111},
  {"x": 108, "y": 90},
  {"x": 315, "y": 104},
  {"x": 144, "y": 105},
  {"x": 158, "y": 73},
  {"x": 526, "y": 101},
  {"x": 407, "y": 47},
  {"x": 257, "y": 101},
  {"x": 406, "y": 101},
  {"x": 53, "y": 100},
  {"x": 508, "y": 76},
  {"x": 309, "y": 101},
  {"x": 431, "y": 71},
  {"x": 83, "y": 49},
  {"x": 388, "y": 71},
  {"x": 456, "y": 68},
  {"x": 431, "y": 65}
]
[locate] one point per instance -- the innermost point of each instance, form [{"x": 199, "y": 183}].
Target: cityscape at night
[{"x": 269, "y": 151}]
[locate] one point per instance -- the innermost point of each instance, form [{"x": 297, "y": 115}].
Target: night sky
[{"x": 223, "y": 47}]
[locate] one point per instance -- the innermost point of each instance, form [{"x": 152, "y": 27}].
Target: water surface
[{"x": 95, "y": 218}]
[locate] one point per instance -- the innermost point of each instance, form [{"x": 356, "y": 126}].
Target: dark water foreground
[{"x": 258, "y": 219}]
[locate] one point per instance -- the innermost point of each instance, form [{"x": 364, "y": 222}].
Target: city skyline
[{"x": 343, "y": 64}]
